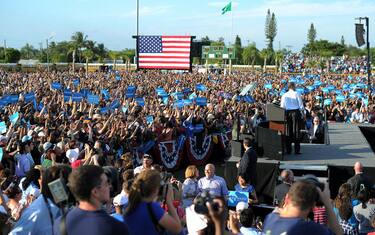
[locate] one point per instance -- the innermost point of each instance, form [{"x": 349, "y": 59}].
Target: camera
[
  {"x": 200, "y": 203},
  {"x": 165, "y": 177}
]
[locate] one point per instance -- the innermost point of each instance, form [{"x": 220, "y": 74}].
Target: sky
[{"x": 113, "y": 22}]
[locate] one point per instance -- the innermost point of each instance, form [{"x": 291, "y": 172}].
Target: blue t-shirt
[
  {"x": 248, "y": 189},
  {"x": 274, "y": 224},
  {"x": 79, "y": 222},
  {"x": 139, "y": 221}
]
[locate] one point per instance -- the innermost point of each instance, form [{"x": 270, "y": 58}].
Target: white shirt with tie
[{"x": 291, "y": 100}]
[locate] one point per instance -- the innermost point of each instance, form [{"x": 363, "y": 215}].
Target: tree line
[{"x": 81, "y": 49}]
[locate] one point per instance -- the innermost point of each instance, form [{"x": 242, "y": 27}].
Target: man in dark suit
[
  {"x": 287, "y": 178},
  {"x": 317, "y": 132},
  {"x": 359, "y": 179},
  {"x": 248, "y": 163}
]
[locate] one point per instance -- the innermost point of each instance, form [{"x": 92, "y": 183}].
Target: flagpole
[
  {"x": 231, "y": 33},
  {"x": 137, "y": 35}
]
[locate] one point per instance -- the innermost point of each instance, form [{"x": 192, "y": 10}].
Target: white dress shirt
[{"x": 291, "y": 100}]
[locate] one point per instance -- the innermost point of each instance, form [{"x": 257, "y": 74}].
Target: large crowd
[{"x": 78, "y": 151}]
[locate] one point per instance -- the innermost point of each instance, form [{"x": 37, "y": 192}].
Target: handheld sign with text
[
  {"x": 3, "y": 128},
  {"x": 235, "y": 197}
]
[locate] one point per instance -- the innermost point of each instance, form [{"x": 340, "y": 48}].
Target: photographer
[
  {"x": 142, "y": 206},
  {"x": 40, "y": 216},
  {"x": 298, "y": 203}
]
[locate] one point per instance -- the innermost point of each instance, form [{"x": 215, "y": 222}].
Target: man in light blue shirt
[{"x": 216, "y": 185}]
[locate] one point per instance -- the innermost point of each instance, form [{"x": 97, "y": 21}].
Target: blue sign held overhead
[
  {"x": 140, "y": 101},
  {"x": 327, "y": 102},
  {"x": 3, "y": 128},
  {"x": 29, "y": 97},
  {"x": 13, "y": 99},
  {"x": 56, "y": 86},
  {"x": 268, "y": 86},
  {"x": 201, "y": 101},
  {"x": 77, "y": 97},
  {"x": 14, "y": 118},
  {"x": 115, "y": 104},
  {"x": 92, "y": 99},
  {"x": 201, "y": 87},
  {"x": 235, "y": 197},
  {"x": 340, "y": 98},
  {"x": 149, "y": 119}
]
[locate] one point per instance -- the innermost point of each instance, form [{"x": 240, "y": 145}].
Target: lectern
[{"x": 270, "y": 136}]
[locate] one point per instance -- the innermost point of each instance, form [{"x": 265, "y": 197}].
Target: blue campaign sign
[
  {"x": 318, "y": 97},
  {"x": 149, "y": 119},
  {"x": 179, "y": 95},
  {"x": 201, "y": 101},
  {"x": 201, "y": 87},
  {"x": 118, "y": 77},
  {"x": 75, "y": 82},
  {"x": 331, "y": 87},
  {"x": 1, "y": 154},
  {"x": 187, "y": 102},
  {"x": 179, "y": 104},
  {"x": 92, "y": 99},
  {"x": 268, "y": 86},
  {"x": 248, "y": 99},
  {"x": 325, "y": 90},
  {"x": 56, "y": 86},
  {"x": 29, "y": 97},
  {"x": 159, "y": 90},
  {"x": 3, "y": 128},
  {"x": 300, "y": 90},
  {"x": 115, "y": 104},
  {"x": 14, "y": 118},
  {"x": 104, "y": 110},
  {"x": 131, "y": 88},
  {"x": 77, "y": 97},
  {"x": 340, "y": 98},
  {"x": 192, "y": 96},
  {"x": 317, "y": 83},
  {"x": 67, "y": 92},
  {"x": 165, "y": 100},
  {"x": 235, "y": 197},
  {"x": 327, "y": 102},
  {"x": 13, "y": 99},
  {"x": 140, "y": 101},
  {"x": 105, "y": 94},
  {"x": 186, "y": 90},
  {"x": 197, "y": 128},
  {"x": 310, "y": 88}
]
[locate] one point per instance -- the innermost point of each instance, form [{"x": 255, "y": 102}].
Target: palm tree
[
  {"x": 250, "y": 54},
  {"x": 278, "y": 60},
  {"x": 88, "y": 54},
  {"x": 27, "y": 51},
  {"x": 79, "y": 39},
  {"x": 72, "y": 49},
  {"x": 265, "y": 53},
  {"x": 113, "y": 55}
]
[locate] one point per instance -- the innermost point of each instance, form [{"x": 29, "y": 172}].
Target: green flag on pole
[{"x": 227, "y": 8}]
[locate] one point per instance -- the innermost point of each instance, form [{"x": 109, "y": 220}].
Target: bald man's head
[
  {"x": 287, "y": 176},
  {"x": 358, "y": 168},
  {"x": 209, "y": 170}
]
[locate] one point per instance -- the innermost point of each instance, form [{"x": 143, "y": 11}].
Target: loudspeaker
[
  {"x": 236, "y": 149},
  {"x": 271, "y": 142},
  {"x": 359, "y": 31}
]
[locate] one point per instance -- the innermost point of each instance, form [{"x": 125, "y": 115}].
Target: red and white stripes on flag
[{"x": 164, "y": 52}]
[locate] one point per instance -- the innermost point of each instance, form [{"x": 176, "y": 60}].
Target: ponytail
[{"x": 145, "y": 184}]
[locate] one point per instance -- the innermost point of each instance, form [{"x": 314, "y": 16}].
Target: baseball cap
[
  {"x": 241, "y": 206},
  {"x": 47, "y": 146},
  {"x": 147, "y": 156},
  {"x": 3, "y": 138},
  {"x": 26, "y": 138}
]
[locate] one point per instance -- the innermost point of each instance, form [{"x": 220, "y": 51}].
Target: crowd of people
[
  {"x": 76, "y": 146},
  {"x": 298, "y": 63}
]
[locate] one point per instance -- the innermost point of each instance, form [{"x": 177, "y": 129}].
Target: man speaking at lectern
[{"x": 292, "y": 102}]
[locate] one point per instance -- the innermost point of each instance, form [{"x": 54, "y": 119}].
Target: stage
[
  {"x": 347, "y": 146},
  {"x": 334, "y": 161}
]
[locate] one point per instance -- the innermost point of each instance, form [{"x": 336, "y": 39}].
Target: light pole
[{"x": 48, "y": 52}]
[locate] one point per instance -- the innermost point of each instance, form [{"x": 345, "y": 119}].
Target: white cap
[
  {"x": 241, "y": 206},
  {"x": 72, "y": 154},
  {"x": 3, "y": 138}
]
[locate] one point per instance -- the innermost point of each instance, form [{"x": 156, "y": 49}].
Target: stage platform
[{"x": 347, "y": 146}]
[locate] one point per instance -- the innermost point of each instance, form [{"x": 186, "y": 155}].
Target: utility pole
[
  {"x": 5, "y": 50},
  {"x": 368, "y": 51}
]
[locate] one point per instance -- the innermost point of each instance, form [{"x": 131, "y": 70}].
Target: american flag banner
[{"x": 164, "y": 52}]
